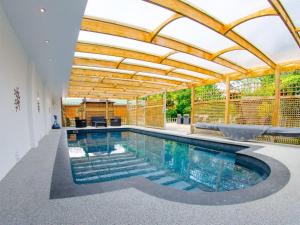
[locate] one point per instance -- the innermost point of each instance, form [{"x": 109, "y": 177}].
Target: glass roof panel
[
  {"x": 292, "y": 7},
  {"x": 272, "y": 37},
  {"x": 243, "y": 58},
  {"x": 183, "y": 57},
  {"x": 196, "y": 34},
  {"x": 162, "y": 76},
  {"x": 134, "y": 12},
  {"x": 192, "y": 73},
  {"x": 227, "y": 11},
  {"x": 127, "y": 43},
  {"x": 97, "y": 56},
  {"x": 147, "y": 64}
]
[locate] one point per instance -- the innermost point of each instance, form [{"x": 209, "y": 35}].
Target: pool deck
[{"x": 24, "y": 197}]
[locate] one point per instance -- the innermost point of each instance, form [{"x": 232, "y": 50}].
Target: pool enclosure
[{"x": 241, "y": 65}]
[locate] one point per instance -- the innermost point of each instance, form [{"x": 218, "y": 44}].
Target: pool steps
[{"x": 110, "y": 167}]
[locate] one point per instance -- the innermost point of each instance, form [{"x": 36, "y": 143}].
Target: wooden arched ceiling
[{"x": 89, "y": 82}]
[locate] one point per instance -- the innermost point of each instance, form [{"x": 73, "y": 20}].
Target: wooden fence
[{"x": 250, "y": 103}]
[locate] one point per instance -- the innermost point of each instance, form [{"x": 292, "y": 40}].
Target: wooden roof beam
[
  {"x": 96, "y": 88},
  {"x": 286, "y": 19},
  {"x": 146, "y": 87},
  {"x": 110, "y": 64},
  {"x": 154, "y": 33},
  {"x": 261, "y": 13},
  {"x": 126, "y": 53},
  {"x": 203, "y": 18},
  {"x": 116, "y": 29},
  {"x": 264, "y": 70},
  {"x": 106, "y": 74},
  {"x": 230, "y": 49},
  {"x": 121, "y": 81},
  {"x": 100, "y": 96}
]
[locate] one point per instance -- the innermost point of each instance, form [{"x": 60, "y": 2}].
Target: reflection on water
[{"x": 194, "y": 166}]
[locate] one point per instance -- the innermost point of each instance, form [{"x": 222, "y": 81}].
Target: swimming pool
[{"x": 177, "y": 163}]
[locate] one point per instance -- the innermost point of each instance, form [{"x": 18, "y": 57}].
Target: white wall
[{"x": 21, "y": 130}]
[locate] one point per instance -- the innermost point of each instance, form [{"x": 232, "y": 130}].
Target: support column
[
  {"x": 165, "y": 108},
  {"x": 145, "y": 111},
  {"x": 127, "y": 113},
  {"x": 276, "y": 112},
  {"x": 192, "y": 109},
  {"x": 136, "y": 107},
  {"x": 227, "y": 100},
  {"x": 84, "y": 109},
  {"x": 106, "y": 112}
]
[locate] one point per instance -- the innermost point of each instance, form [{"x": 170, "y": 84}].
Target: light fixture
[
  {"x": 42, "y": 10},
  {"x": 46, "y": 41}
]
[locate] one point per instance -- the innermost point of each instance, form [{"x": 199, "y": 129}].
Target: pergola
[{"x": 132, "y": 48}]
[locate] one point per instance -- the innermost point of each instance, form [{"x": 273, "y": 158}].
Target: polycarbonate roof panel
[
  {"x": 188, "y": 31},
  {"x": 183, "y": 57},
  {"x": 227, "y": 11},
  {"x": 135, "y": 12},
  {"x": 243, "y": 58},
  {"x": 110, "y": 40},
  {"x": 292, "y": 7},
  {"x": 97, "y": 56},
  {"x": 192, "y": 73},
  {"x": 147, "y": 64},
  {"x": 272, "y": 37}
]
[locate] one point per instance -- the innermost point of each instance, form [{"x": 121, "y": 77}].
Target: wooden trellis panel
[
  {"x": 209, "y": 111},
  {"x": 148, "y": 113},
  {"x": 131, "y": 113},
  {"x": 155, "y": 112},
  {"x": 252, "y": 103},
  {"x": 209, "y": 105}
]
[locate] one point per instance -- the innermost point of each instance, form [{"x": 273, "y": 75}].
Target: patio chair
[
  {"x": 80, "y": 122},
  {"x": 115, "y": 121},
  {"x": 99, "y": 121}
]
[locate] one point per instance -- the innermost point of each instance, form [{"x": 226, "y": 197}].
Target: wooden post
[
  {"x": 276, "y": 112},
  {"x": 136, "y": 107},
  {"x": 192, "y": 109},
  {"x": 127, "y": 113},
  {"x": 227, "y": 100},
  {"x": 84, "y": 109},
  {"x": 165, "y": 108},
  {"x": 106, "y": 111},
  {"x": 145, "y": 111}
]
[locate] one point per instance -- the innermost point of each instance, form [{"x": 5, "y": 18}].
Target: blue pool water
[{"x": 107, "y": 156}]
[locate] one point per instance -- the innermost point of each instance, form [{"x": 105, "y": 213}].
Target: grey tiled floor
[{"x": 24, "y": 198}]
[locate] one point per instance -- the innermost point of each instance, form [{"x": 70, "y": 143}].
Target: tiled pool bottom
[{"x": 106, "y": 156}]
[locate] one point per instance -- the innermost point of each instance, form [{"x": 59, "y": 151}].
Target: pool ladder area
[{"x": 117, "y": 166}]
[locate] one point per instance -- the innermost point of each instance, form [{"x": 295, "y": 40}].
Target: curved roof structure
[{"x": 133, "y": 48}]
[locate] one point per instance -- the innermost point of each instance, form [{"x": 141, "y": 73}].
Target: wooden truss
[{"x": 98, "y": 78}]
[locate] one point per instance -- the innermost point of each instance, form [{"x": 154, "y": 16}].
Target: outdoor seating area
[{"x": 148, "y": 112}]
